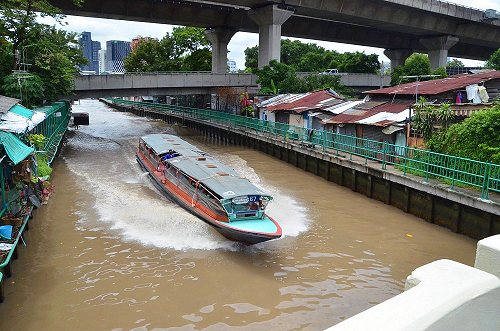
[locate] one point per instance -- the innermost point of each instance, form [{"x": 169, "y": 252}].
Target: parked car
[{"x": 330, "y": 72}]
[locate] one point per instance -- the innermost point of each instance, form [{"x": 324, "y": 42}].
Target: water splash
[{"x": 130, "y": 205}]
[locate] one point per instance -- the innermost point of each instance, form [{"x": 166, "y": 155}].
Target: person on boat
[{"x": 168, "y": 155}]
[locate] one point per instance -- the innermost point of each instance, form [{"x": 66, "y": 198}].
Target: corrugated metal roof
[
  {"x": 7, "y": 103},
  {"x": 302, "y": 102},
  {"x": 438, "y": 86},
  {"x": 381, "y": 115},
  {"x": 213, "y": 174},
  {"x": 344, "y": 106},
  {"x": 370, "y": 104}
]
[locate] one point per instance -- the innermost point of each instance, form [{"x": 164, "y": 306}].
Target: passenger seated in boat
[{"x": 168, "y": 155}]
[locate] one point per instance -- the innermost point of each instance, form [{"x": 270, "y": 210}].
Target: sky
[{"x": 104, "y": 29}]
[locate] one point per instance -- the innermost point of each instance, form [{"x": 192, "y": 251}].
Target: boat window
[{"x": 249, "y": 203}]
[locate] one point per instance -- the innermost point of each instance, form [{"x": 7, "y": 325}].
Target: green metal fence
[
  {"x": 453, "y": 170},
  {"x": 54, "y": 126}
]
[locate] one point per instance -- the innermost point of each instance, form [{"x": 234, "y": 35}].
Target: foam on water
[
  {"x": 290, "y": 214},
  {"x": 106, "y": 165}
]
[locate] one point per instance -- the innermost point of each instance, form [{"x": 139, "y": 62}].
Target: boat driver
[{"x": 168, "y": 155}]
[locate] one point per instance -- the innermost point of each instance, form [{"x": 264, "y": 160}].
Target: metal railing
[{"x": 453, "y": 170}]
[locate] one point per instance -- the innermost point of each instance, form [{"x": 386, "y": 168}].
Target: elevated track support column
[
  {"x": 269, "y": 19},
  {"x": 219, "y": 38},
  {"x": 438, "y": 49},
  {"x": 397, "y": 56}
]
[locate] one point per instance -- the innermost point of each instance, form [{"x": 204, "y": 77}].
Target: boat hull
[{"x": 223, "y": 228}]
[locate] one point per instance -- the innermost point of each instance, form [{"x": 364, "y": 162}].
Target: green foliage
[
  {"x": 281, "y": 78},
  {"x": 54, "y": 54},
  {"x": 429, "y": 118},
  {"x": 440, "y": 72},
  {"x": 455, "y": 63},
  {"x": 186, "y": 49},
  {"x": 415, "y": 65},
  {"x": 475, "y": 138},
  {"x": 6, "y": 59},
  {"x": 43, "y": 166},
  {"x": 38, "y": 140},
  {"x": 30, "y": 89},
  {"x": 494, "y": 60},
  {"x": 251, "y": 58},
  {"x": 309, "y": 57}
]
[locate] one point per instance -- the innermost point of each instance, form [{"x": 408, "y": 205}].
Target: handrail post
[
  {"x": 486, "y": 182},
  {"x": 454, "y": 170},
  {"x": 384, "y": 164},
  {"x": 324, "y": 133},
  {"x": 427, "y": 163}
]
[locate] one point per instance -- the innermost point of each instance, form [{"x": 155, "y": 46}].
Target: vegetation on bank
[
  {"x": 475, "y": 138},
  {"x": 52, "y": 55},
  {"x": 38, "y": 142}
]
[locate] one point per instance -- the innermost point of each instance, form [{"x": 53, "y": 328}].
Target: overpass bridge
[
  {"x": 400, "y": 26},
  {"x": 183, "y": 83}
]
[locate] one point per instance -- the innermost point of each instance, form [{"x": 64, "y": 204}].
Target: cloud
[{"x": 107, "y": 29}]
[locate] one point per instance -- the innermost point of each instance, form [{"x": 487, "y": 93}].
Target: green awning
[
  {"x": 22, "y": 111},
  {"x": 16, "y": 150}
]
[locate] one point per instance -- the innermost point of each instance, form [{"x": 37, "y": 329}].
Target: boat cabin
[{"x": 207, "y": 183}]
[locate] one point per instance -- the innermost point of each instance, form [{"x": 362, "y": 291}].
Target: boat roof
[{"x": 213, "y": 174}]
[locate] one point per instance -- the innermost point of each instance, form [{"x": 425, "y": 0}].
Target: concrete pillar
[
  {"x": 269, "y": 19},
  {"x": 219, "y": 38},
  {"x": 437, "y": 48},
  {"x": 397, "y": 56}
]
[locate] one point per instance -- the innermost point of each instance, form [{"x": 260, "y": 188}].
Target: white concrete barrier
[
  {"x": 442, "y": 295},
  {"x": 488, "y": 255}
]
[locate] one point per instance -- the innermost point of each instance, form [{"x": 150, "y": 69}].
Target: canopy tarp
[
  {"x": 20, "y": 119},
  {"x": 16, "y": 150},
  {"x": 22, "y": 111}
]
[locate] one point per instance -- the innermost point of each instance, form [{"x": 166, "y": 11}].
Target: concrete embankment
[{"x": 461, "y": 211}]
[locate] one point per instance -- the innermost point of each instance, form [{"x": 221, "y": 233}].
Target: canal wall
[{"x": 433, "y": 202}]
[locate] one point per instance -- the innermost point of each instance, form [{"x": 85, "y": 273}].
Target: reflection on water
[{"x": 109, "y": 252}]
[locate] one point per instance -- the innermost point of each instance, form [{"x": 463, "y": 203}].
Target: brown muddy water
[{"x": 109, "y": 252}]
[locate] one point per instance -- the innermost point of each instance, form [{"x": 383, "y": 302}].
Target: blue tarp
[
  {"x": 16, "y": 150},
  {"x": 22, "y": 111}
]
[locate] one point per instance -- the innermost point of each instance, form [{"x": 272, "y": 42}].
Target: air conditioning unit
[{"x": 491, "y": 14}]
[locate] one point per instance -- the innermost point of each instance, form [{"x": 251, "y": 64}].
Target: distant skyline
[{"x": 105, "y": 29}]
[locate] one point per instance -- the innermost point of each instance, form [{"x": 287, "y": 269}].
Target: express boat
[{"x": 207, "y": 188}]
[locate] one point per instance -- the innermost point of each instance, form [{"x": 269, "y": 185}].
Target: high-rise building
[
  {"x": 96, "y": 47},
  {"x": 90, "y": 52},
  {"x": 116, "y": 52},
  {"x": 232, "y": 65},
  {"x": 102, "y": 61}
]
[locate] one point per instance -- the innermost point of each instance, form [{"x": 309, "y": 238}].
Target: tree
[
  {"x": 416, "y": 65},
  {"x": 428, "y": 118},
  {"x": 30, "y": 90},
  {"x": 54, "y": 54},
  {"x": 475, "y": 138},
  {"x": 309, "y": 57},
  {"x": 251, "y": 57},
  {"x": 455, "y": 63},
  {"x": 281, "y": 78},
  {"x": 494, "y": 60},
  {"x": 186, "y": 49}
]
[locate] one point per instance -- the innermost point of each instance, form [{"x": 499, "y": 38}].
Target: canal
[{"x": 108, "y": 252}]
